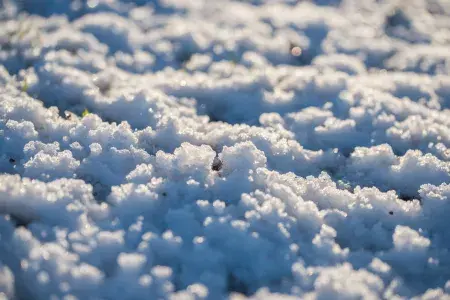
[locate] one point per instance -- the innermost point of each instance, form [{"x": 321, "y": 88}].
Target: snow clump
[{"x": 224, "y": 149}]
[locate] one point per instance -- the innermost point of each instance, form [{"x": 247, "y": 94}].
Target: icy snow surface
[{"x": 214, "y": 149}]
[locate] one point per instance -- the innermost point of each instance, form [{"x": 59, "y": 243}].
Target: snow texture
[{"x": 264, "y": 149}]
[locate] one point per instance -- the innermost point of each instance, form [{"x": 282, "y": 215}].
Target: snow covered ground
[{"x": 206, "y": 149}]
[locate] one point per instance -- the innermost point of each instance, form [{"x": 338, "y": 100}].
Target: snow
[{"x": 224, "y": 149}]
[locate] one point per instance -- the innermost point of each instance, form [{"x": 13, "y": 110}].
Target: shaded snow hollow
[{"x": 263, "y": 149}]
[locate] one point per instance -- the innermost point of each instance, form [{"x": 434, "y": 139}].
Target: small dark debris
[
  {"x": 391, "y": 213},
  {"x": 12, "y": 160},
  {"x": 295, "y": 50},
  {"x": 300, "y": 55},
  {"x": 217, "y": 164},
  {"x": 164, "y": 194}
]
